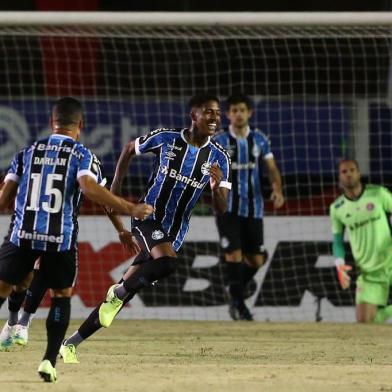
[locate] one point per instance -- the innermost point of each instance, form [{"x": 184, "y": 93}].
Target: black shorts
[
  {"x": 239, "y": 233},
  {"x": 59, "y": 269},
  {"x": 150, "y": 233}
]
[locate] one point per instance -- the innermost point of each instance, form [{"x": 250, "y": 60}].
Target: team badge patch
[
  {"x": 224, "y": 242},
  {"x": 370, "y": 206},
  {"x": 157, "y": 235},
  {"x": 205, "y": 168}
]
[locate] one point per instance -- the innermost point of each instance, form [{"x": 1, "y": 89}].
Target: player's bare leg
[{"x": 365, "y": 313}]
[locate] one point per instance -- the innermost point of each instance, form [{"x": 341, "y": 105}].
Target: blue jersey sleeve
[
  {"x": 265, "y": 145},
  {"x": 224, "y": 164},
  {"x": 90, "y": 165},
  {"x": 151, "y": 142},
  {"x": 16, "y": 169}
]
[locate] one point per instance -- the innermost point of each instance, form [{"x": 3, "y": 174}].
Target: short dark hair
[
  {"x": 344, "y": 160},
  {"x": 67, "y": 111},
  {"x": 199, "y": 100},
  {"x": 235, "y": 99}
]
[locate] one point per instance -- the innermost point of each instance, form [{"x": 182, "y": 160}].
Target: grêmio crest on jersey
[{"x": 181, "y": 172}]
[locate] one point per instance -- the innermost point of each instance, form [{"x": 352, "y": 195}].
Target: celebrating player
[
  {"x": 47, "y": 178},
  {"x": 241, "y": 227},
  {"x": 362, "y": 210},
  {"x": 186, "y": 161}
]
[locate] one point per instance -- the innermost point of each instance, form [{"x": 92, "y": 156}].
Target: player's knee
[{"x": 61, "y": 293}]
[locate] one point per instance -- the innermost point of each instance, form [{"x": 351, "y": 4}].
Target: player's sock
[
  {"x": 234, "y": 281},
  {"x": 35, "y": 292},
  {"x": 146, "y": 275},
  {"x": 75, "y": 339},
  {"x": 383, "y": 314},
  {"x": 34, "y": 295},
  {"x": 25, "y": 318},
  {"x": 15, "y": 301},
  {"x": 89, "y": 326},
  {"x": 56, "y": 326},
  {"x": 247, "y": 273}
]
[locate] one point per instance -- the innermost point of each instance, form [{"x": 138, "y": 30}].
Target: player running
[
  {"x": 48, "y": 179},
  {"x": 187, "y": 160}
]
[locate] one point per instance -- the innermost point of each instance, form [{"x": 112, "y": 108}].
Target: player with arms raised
[{"x": 362, "y": 210}]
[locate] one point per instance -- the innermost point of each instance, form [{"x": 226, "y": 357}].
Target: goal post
[{"x": 321, "y": 86}]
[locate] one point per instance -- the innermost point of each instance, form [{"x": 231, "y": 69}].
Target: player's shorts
[
  {"x": 58, "y": 268},
  {"x": 239, "y": 233},
  {"x": 150, "y": 233},
  {"x": 373, "y": 288}
]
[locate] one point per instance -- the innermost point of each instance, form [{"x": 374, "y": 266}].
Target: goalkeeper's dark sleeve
[{"x": 338, "y": 246}]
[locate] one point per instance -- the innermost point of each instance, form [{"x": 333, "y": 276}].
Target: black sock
[
  {"x": 15, "y": 301},
  {"x": 35, "y": 292},
  {"x": 247, "y": 273},
  {"x": 56, "y": 326},
  {"x": 234, "y": 281},
  {"x": 2, "y": 300},
  {"x": 91, "y": 324},
  {"x": 148, "y": 273}
]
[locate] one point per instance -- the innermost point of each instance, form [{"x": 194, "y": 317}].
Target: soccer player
[
  {"x": 186, "y": 161},
  {"x": 241, "y": 227},
  {"x": 362, "y": 210},
  {"x": 48, "y": 178}
]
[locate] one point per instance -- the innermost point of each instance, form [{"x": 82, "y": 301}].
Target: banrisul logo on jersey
[{"x": 173, "y": 173}]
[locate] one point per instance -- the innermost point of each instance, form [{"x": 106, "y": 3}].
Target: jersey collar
[
  {"x": 61, "y": 136},
  {"x": 359, "y": 196},
  {"x": 232, "y": 133},
  {"x": 183, "y": 138}
]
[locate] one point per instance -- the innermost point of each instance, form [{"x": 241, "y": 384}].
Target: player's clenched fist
[
  {"x": 216, "y": 176},
  {"x": 141, "y": 211}
]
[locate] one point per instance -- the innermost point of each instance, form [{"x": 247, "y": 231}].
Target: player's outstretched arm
[
  {"x": 7, "y": 193},
  {"x": 125, "y": 236},
  {"x": 276, "y": 183},
  {"x": 104, "y": 197},
  {"x": 122, "y": 167}
]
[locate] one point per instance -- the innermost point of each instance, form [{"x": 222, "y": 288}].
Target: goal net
[{"x": 321, "y": 91}]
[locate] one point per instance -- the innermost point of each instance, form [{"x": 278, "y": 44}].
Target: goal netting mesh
[{"x": 320, "y": 93}]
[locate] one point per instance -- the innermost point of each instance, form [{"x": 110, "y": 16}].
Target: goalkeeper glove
[{"x": 342, "y": 271}]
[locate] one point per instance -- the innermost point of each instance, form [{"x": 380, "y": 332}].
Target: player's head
[
  {"x": 349, "y": 173},
  {"x": 239, "y": 109},
  {"x": 205, "y": 113},
  {"x": 67, "y": 117}
]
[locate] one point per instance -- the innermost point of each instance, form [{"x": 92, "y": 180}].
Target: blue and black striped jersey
[
  {"x": 180, "y": 174},
  {"x": 48, "y": 198},
  {"x": 246, "y": 153}
]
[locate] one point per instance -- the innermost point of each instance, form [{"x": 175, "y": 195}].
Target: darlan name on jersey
[
  {"x": 179, "y": 177},
  {"x": 50, "y": 161}
]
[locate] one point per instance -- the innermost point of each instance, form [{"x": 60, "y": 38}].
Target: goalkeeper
[{"x": 363, "y": 210}]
